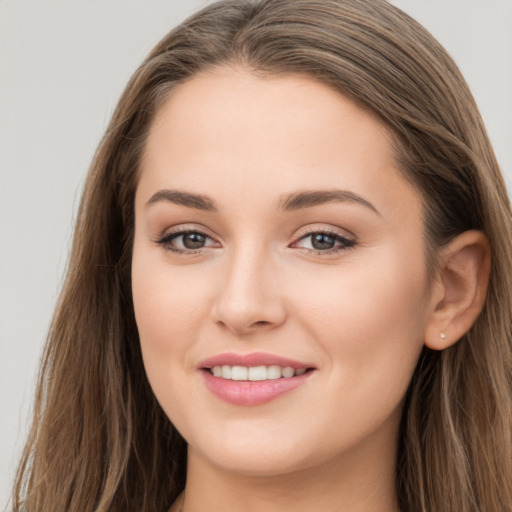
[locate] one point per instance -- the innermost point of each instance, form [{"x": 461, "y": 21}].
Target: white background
[{"x": 63, "y": 65}]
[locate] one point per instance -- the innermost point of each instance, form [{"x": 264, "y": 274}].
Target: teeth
[
  {"x": 239, "y": 373},
  {"x": 226, "y": 372},
  {"x": 255, "y": 373},
  {"x": 273, "y": 372},
  {"x": 287, "y": 372}
]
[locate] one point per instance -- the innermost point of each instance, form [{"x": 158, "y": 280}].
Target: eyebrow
[
  {"x": 290, "y": 202},
  {"x": 197, "y": 201},
  {"x": 308, "y": 199}
]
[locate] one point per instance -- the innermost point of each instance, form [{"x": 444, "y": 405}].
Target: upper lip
[{"x": 252, "y": 359}]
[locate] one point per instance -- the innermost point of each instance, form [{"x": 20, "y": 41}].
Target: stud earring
[{"x": 442, "y": 336}]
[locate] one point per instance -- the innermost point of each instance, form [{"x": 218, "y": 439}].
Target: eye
[
  {"x": 324, "y": 242},
  {"x": 186, "y": 241}
]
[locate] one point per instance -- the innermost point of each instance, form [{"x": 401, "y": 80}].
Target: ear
[{"x": 459, "y": 292}]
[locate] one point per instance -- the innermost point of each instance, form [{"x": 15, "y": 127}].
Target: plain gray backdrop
[{"x": 63, "y": 64}]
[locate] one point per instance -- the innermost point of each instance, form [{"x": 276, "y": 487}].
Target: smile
[
  {"x": 253, "y": 379},
  {"x": 256, "y": 373}
]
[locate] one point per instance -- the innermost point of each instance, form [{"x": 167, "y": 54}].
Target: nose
[{"x": 249, "y": 298}]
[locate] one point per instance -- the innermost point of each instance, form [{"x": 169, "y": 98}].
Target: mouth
[
  {"x": 253, "y": 379},
  {"x": 256, "y": 373}
]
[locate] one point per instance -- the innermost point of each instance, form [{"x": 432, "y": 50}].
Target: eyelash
[
  {"x": 166, "y": 240},
  {"x": 346, "y": 243}
]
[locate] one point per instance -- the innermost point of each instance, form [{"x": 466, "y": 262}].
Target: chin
[
  {"x": 252, "y": 454},
  {"x": 254, "y": 462}
]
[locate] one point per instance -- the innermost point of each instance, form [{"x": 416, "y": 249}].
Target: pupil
[
  {"x": 321, "y": 241},
  {"x": 193, "y": 240}
]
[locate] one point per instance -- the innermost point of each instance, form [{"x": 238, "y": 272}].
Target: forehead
[
  {"x": 232, "y": 130},
  {"x": 239, "y": 103}
]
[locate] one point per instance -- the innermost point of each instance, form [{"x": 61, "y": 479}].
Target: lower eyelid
[{"x": 331, "y": 252}]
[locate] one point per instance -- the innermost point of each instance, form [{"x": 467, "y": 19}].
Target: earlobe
[{"x": 460, "y": 289}]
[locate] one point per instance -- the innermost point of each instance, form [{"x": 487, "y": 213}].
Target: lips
[
  {"x": 249, "y": 392},
  {"x": 253, "y": 359}
]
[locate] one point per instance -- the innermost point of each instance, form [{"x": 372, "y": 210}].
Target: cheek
[
  {"x": 370, "y": 320},
  {"x": 166, "y": 310},
  {"x": 166, "y": 307}
]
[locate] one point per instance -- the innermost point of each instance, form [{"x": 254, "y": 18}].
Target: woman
[{"x": 287, "y": 285}]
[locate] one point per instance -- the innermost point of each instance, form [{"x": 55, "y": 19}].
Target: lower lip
[{"x": 252, "y": 392}]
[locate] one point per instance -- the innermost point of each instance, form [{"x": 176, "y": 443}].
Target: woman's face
[{"x": 274, "y": 229}]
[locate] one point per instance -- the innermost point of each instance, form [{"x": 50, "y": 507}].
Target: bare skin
[{"x": 341, "y": 285}]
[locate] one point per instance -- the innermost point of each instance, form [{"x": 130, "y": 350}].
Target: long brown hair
[{"x": 99, "y": 439}]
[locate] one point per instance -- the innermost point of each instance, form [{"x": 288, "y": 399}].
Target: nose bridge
[{"x": 248, "y": 297}]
